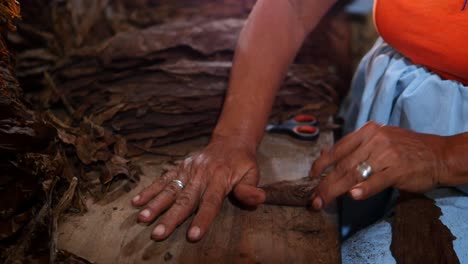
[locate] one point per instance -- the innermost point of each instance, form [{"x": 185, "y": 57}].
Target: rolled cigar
[{"x": 290, "y": 193}]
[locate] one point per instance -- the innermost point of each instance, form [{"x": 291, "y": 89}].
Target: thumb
[{"x": 246, "y": 190}]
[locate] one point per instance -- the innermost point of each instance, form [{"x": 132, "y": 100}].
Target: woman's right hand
[{"x": 226, "y": 164}]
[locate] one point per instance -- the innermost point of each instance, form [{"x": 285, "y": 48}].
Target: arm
[
  {"x": 267, "y": 45},
  {"x": 455, "y": 158}
]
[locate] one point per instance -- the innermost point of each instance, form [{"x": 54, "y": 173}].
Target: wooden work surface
[{"x": 109, "y": 233}]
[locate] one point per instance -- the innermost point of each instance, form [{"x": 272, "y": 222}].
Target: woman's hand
[
  {"x": 400, "y": 158},
  {"x": 225, "y": 165}
]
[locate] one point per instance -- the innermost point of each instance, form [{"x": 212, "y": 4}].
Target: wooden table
[{"x": 109, "y": 233}]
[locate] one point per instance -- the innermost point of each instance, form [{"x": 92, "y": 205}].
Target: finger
[
  {"x": 346, "y": 175},
  {"x": 182, "y": 208},
  {"x": 343, "y": 148},
  {"x": 327, "y": 192},
  {"x": 160, "y": 203},
  {"x": 210, "y": 205},
  {"x": 154, "y": 189},
  {"x": 247, "y": 192},
  {"x": 373, "y": 185},
  {"x": 249, "y": 195}
]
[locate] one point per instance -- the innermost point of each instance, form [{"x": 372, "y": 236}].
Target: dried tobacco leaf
[
  {"x": 9, "y": 11},
  {"x": 116, "y": 166}
]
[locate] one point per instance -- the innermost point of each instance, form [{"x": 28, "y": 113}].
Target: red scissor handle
[
  {"x": 305, "y": 119},
  {"x": 306, "y": 130}
]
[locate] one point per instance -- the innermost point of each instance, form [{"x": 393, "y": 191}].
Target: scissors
[{"x": 303, "y": 127}]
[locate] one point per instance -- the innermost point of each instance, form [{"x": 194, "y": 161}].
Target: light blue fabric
[
  {"x": 388, "y": 89},
  {"x": 365, "y": 247},
  {"x": 360, "y": 7},
  {"x": 454, "y": 208}
]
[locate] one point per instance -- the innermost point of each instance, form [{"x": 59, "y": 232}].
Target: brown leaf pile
[
  {"x": 162, "y": 82},
  {"x": 96, "y": 149}
]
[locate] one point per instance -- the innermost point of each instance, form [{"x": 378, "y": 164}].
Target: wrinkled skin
[
  {"x": 228, "y": 163},
  {"x": 399, "y": 158},
  {"x": 225, "y": 165}
]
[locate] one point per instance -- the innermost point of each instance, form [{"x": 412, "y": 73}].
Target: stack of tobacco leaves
[
  {"x": 157, "y": 81},
  {"x": 155, "y": 87}
]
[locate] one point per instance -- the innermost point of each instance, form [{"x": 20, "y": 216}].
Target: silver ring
[
  {"x": 364, "y": 169},
  {"x": 179, "y": 184}
]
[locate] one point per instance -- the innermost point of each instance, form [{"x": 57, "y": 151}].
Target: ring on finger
[
  {"x": 178, "y": 183},
  {"x": 364, "y": 169}
]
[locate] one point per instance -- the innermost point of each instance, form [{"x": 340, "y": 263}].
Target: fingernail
[
  {"x": 318, "y": 203},
  {"x": 159, "y": 230},
  {"x": 356, "y": 193},
  {"x": 145, "y": 213},
  {"x": 136, "y": 198},
  {"x": 194, "y": 232}
]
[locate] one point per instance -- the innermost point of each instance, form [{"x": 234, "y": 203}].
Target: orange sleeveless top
[{"x": 432, "y": 33}]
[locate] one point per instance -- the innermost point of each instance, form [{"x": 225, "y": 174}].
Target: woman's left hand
[{"x": 398, "y": 157}]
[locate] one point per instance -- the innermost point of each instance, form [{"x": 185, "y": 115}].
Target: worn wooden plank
[{"x": 108, "y": 233}]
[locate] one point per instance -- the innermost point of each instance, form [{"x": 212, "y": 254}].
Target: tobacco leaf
[
  {"x": 116, "y": 166},
  {"x": 9, "y": 11},
  {"x": 120, "y": 147},
  {"x": 290, "y": 193},
  {"x": 418, "y": 234}
]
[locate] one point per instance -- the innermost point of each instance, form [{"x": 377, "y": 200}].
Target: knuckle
[
  {"x": 168, "y": 176},
  {"x": 341, "y": 168},
  {"x": 371, "y": 125},
  {"x": 345, "y": 165},
  {"x": 186, "y": 163},
  {"x": 170, "y": 190},
  {"x": 355, "y": 177},
  {"x": 200, "y": 160},
  {"x": 163, "y": 179},
  {"x": 382, "y": 138},
  {"x": 148, "y": 191},
  {"x": 183, "y": 200}
]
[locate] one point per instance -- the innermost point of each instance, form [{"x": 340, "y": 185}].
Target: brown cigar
[{"x": 291, "y": 193}]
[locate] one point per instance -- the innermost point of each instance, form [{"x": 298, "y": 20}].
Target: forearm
[
  {"x": 267, "y": 45},
  {"x": 456, "y": 160}
]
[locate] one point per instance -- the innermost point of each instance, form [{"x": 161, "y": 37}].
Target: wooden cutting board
[{"x": 109, "y": 233}]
